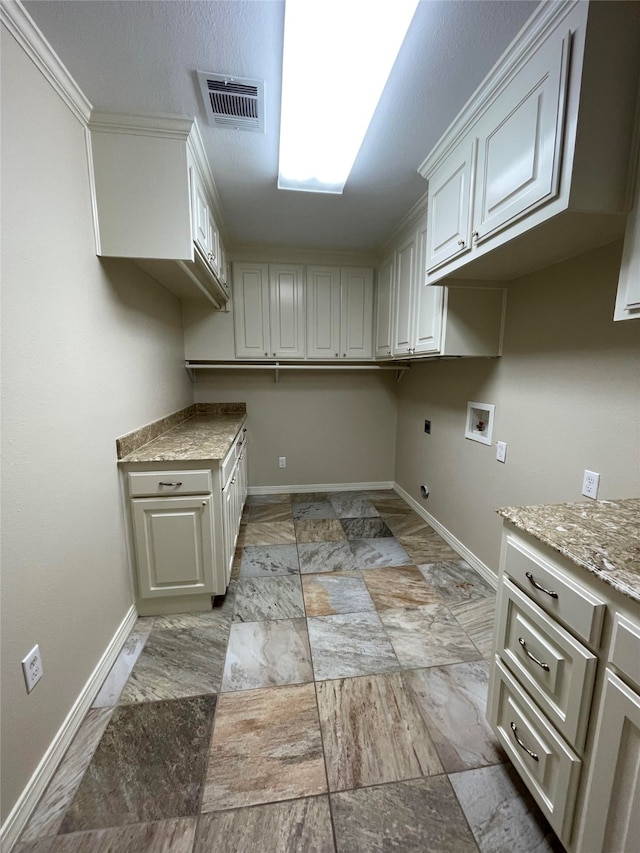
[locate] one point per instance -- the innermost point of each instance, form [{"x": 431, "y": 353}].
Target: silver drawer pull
[
  {"x": 519, "y": 742},
  {"x": 535, "y": 583},
  {"x": 544, "y": 666},
  {"x": 169, "y": 484}
]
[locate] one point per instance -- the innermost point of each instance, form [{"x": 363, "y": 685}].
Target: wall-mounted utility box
[{"x": 479, "y": 422}]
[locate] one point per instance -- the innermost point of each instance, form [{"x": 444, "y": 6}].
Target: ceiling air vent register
[{"x": 234, "y": 102}]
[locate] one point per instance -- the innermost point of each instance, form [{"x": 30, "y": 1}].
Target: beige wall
[
  {"x": 567, "y": 397},
  {"x": 336, "y": 427},
  {"x": 90, "y": 351}
]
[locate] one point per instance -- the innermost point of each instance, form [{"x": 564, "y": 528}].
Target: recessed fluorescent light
[{"x": 338, "y": 55}]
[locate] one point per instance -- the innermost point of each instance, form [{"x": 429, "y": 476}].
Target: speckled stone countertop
[
  {"x": 203, "y": 434},
  {"x": 601, "y": 536}
]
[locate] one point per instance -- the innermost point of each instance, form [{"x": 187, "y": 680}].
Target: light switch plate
[{"x": 501, "y": 451}]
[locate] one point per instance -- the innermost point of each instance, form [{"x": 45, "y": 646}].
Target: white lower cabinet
[
  {"x": 564, "y": 695},
  {"x": 612, "y": 810},
  {"x": 184, "y": 527},
  {"x": 174, "y": 545}
]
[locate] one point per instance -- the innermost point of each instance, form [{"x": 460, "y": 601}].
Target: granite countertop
[
  {"x": 201, "y": 435},
  {"x": 601, "y": 536}
]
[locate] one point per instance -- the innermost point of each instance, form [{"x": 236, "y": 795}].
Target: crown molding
[
  {"x": 153, "y": 124},
  {"x": 23, "y": 28}
]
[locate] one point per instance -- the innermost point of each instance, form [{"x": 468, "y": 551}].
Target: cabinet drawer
[
  {"x": 556, "y": 669},
  {"x": 548, "y": 766},
  {"x": 169, "y": 483},
  {"x": 625, "y": 648},
  {"x": 555, "y": 592}
]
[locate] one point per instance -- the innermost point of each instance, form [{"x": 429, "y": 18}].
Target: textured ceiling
[{"x": 141, "y": 57}]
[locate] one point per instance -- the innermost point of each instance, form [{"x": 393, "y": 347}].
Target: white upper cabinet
[
  {"x": 534, "y": 168},
  {"x": 404, "y": 286},
  {"x": 323, "y": 312},
  {"x": 449, "y": 232},
  {"x": 251, "y": 310},
  {"x": 519, "y": 142},
  {"x": 432, "y": 321},
  {"x": 628, "y": 300},
  {"x": 384, "y": 307},
  {"x": 269, "y": 310},
  {"x": 287, "y": 310},
  {"x": 339, "y": 312},
  {"x": 356, "y": 320},
  {"x": 153, "y": 201}
]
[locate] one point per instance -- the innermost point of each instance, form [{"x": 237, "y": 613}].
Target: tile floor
[{"x": 333, "y": 700}]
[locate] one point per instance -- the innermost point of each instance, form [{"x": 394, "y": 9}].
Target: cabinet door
[
  {"x": 323, "y": 312},
  {"x": 612, "y": 806},
  {"x": 202, "y": 232},
  {"x": 251, "y": 310},
  {"x": 287, "y": 311},
  {"x": 229, "y": 533},
  {"x": 357, "y": 313},
  {"x": 450, "y": 188},
  {"x": 384, "y": 307},
  {"x": 519, "y": 145},
  {"x": 427, "y": 302},
  {"x": 174, "y": 545},
  {"x": 404, "y": 320}
]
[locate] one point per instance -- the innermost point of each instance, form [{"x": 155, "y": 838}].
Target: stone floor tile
[
  {"x": 348, "y": 645},
  {"x": 318, "y": 557},
  {"x": 453, "y": 703},
  {"x": 266, "y": 654},
  {"x": 409, "y": 817},
  {"x": 335, "y": 592},
  {"x": 264, "y": 561},
  {"x": 427, "y": 636},
  {"x": 373, "y": 732},
  {"x": 265, "y": 598},
  {"x": 149, "y": 765},
  {"x": 266, "y": 747},
  {"x": 295, "y": 826},
  {"x": 401, "y": 586},
  {"x": 502, "y": 813}
]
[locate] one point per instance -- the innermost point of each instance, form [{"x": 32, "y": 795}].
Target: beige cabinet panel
[
  {"x": 323, "y": 312},
  {"x": 287, "y": 311},
  {"x": 612, "y": 806},
  {"x": 174, "y": 545},
  {"x": 404, "y": 286},
  {"x": 356, "y": 316},
  {"x": 251, "y": 310},
  {"x": 449, "y": 232},
  {"x": 519, "y": 141},
  {"x": 384, "y": 307}
]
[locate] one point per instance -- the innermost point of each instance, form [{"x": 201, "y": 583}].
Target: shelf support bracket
[{"x": 400, "y": 372}]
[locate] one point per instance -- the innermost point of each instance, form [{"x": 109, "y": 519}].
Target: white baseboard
[
  {"x": 20, "y": 813},
  {"x": 447, "y": 535},
  {"x": 320, "y": 487}
]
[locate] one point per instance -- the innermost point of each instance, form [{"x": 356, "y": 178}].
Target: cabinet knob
[
  {"x": 337, "y": 354},
  {"x": 266, "y": 354},
  {"x": 274, "y": 355},
  {"x": 475, "y": 235},
  {"x": 204, "y": 503},
  {"x": 344, "y": 355},
  {"x": 460, "y": 242}
]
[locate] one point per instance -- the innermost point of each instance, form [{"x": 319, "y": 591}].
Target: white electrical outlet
[
  {"x": 590, "y": 484},
  {"x": 282, "y": 462},
  {"x": 32, "y": 668},
  {"x": 501, "y": 451}
]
